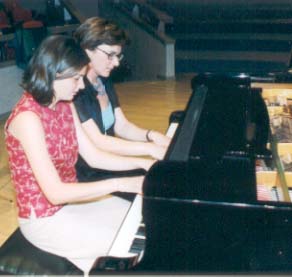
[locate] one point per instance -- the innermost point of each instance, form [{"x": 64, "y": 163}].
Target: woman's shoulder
[{"x": 25, "y": 103}]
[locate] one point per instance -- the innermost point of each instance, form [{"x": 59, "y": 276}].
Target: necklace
[{"x": 99, "y": 87}]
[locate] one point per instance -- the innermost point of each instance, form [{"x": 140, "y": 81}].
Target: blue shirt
[{"x": 108, "y": 117}]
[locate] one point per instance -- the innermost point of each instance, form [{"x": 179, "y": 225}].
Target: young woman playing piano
[
  {"x": 43, "y": 137},
  {"x": 97, "y": 104}
]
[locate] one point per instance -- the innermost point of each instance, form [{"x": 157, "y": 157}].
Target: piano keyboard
[
  {"x": 130, "y": 239},
  {"x": 130, "y": 230}
]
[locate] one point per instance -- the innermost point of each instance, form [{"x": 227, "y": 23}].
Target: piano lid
[
  {"x": 212, "y": 155},
  {"x": 223, "y": 116}
]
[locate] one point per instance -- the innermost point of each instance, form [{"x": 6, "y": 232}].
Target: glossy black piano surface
[{"x": 200, "y": 205}]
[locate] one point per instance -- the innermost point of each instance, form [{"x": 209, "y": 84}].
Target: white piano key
[{"x": 171, "y": 129}]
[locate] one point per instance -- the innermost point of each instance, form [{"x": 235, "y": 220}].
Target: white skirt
[{"x": 78, "y": 232}]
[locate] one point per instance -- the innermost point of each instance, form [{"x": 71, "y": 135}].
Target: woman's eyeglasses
[{"x": 112, "y": 55}]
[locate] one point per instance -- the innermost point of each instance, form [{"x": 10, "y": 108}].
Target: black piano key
[
  {"x": 141, "y": 231},
  {"x": 136, "y": 251},
  {"x": 138, "y": 244}
]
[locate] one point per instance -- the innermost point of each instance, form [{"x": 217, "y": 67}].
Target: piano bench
[{"x": 20, "y": 257}]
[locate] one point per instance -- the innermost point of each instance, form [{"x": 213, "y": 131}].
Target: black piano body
[{"x": 200, "y": 205}]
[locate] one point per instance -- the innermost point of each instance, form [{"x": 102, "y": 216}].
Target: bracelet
[{"x": 147, "y": 136}]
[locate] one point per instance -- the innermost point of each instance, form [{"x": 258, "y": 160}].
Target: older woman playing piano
[{"x": 97, "y": 104}]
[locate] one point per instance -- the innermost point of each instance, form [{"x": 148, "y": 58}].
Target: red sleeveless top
[{"x": 62, "y": 147}]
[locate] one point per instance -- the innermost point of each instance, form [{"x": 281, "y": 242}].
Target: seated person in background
[
  {"x": 43, "y": 136},
  {"x": 97, "y": 104}
]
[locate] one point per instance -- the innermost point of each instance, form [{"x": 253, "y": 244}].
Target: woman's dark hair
[
  {"x": 96, "y": 31},
  {"x": 57, "y": 54}
]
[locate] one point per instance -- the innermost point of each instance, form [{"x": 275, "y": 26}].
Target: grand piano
[
  {"x": 219, "y": 202},
  {"x": 202, "y": 207}
]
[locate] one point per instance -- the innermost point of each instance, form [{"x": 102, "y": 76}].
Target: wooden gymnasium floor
[{"x": 147, "y": 103}]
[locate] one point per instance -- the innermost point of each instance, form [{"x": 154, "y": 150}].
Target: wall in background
[{"x": 10, "y": 78}]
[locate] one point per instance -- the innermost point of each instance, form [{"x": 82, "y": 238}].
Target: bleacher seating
[
  {"x": 5, "y": 25},
  {"x": 29, "y": 36},
  {"x": 20, "y": 32},
  {"x": 28, "y": 31},
  {"x": 5, "y": 29},
  {"x": 29, "y": 28},
  {"x": 241, "y": 37},
  {"x": 20, "y": 15}
]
